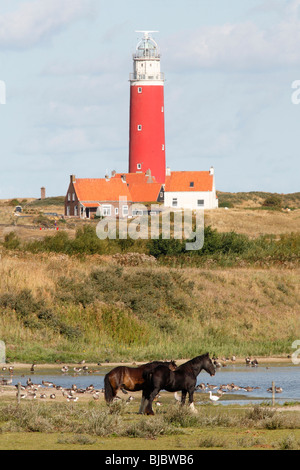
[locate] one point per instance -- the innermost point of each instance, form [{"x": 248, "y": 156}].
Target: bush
[
  {"x": 273, "y": 201},
  {"x": 11, "y": 241}
]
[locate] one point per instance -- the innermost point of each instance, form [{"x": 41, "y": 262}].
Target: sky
[{"x": 229, "y": 69}]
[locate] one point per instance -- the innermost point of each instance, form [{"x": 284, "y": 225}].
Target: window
[
  {"x": 139, "y": 127},
  {"x": 125, "y": 210},
  {"x": 76, "y": 211},
  {"x": 68, "y": 210},
  {"x": 137, "y": 212},
  {"x": 139, "y": 89},
  {"x": 162, "y": 109},
  {"x": 174, "y": 202},
  {"x": 200, "y": 202},
  {"x": 163, "y": 147},
  {"x": 106, "y": 211},
  {"x": 139, "y": 166},
  {"x": 73, "y": 196},
  {"x": 191, "y": 184},
  {"x": 69, "y": 196},
  {"x": 116, "y": 210}
]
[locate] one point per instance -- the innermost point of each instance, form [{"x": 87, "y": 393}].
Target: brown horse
[{"x": 130, "y": 378}]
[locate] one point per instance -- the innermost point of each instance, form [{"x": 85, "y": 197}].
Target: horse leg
[
  {"x": 183, "y": 397},
  {"x": 191, "y": 401},
  {"x": 148, "y": 408},
  {"x": 144, "y": 402}
]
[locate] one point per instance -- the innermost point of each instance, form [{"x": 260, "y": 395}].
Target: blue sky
[{"x": 229, "y": 69}]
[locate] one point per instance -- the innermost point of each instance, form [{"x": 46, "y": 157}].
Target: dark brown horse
[
  {"x": 130, "y": 378},
  {"x": 183, "y": 378}
]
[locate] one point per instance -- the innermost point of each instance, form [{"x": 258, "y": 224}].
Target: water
[{"x": 286, "y": 376}]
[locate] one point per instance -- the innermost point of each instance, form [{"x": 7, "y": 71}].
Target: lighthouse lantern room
[{"x": 147, "y": 121}]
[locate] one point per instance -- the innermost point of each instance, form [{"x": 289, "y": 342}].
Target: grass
[
  {"x": 96, "y": 426},
  {"x": 69, "y": 309}
]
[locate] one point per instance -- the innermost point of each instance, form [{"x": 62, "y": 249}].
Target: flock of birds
[{"x": 32, "y": 390}]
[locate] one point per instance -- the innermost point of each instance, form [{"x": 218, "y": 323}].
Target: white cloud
[
  {"x": 37, "y": 20},
  {"x": 240, "y": 46}
]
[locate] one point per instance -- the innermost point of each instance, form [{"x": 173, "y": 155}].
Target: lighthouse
[{"x": 147, "y": 113}]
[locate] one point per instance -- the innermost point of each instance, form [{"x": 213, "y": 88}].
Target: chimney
[
  {"x": 43, "y": 193},
  {"x": 123, "y": 178},
  {"x": 107, "y": 177},
  {"x": 113, "y": 173},
  {"x": 211, "y": 171},
  {"x": 72, "y": 178},
  {"x": 149, "y": 176},
  {"x": 168, "y": 171}
]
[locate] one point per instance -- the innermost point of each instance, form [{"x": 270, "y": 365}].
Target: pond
[{"x": 286, "y": 376}]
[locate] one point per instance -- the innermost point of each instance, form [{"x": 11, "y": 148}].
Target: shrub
[
  {"x": 11, "y": 241},
  {"x": 272, "y": 201}
]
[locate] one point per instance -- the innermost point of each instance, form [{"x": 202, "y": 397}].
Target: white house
[{"x": 190, "y": 190}]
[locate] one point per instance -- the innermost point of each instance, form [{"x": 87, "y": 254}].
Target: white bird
[{"x": 213, "y": 397}]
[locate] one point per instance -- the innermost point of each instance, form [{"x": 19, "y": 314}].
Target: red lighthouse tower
[{"x": 147, "y": 117}]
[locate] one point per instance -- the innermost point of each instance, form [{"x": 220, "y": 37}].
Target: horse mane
[{"x": 196, "y": 359}]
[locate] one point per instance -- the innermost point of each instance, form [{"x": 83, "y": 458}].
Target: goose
[
  {"x": 233, "y": 358},
  {"x": 53, "y": 396},
  {"x": 47, "y": 384},
  {"x": 85, "y": 368},
  {"x": 43, "y": 395},
  {"x": 158, "y": 403},
  {"x": 64, "y": 369},
  {"x": 70, "y": 398},
  {"x": 129, "y": 399},
  {"x": 201, "y": 387},
  {"x": 211, "y": 387},
  {"x": 77, "y": 369},
  {"x": 213, "y": 397},
  {"x": 278, "y": 389},
  {"x": 96, "y": 396}
]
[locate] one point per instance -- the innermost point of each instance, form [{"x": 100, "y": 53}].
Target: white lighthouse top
[{"x": 147, "y": 48}]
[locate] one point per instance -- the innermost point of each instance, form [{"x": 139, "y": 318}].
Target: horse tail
[{"x": 108, "y": 390}]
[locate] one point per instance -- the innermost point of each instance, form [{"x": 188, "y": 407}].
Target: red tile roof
[
  {"x": 143, "y": 188},
  {"x": 100, "y": 189},
  {"x": 146, "y": 192},
  {"x": 181, "y": 181}
]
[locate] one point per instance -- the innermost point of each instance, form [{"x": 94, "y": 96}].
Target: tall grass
[{"x": 70, "y": 309}]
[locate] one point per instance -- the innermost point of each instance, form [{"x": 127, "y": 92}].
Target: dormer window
[
  {"x": 139, "y": 166},
  {"x": 191, "y": 184},
  {"x": 139, "y": 127}
]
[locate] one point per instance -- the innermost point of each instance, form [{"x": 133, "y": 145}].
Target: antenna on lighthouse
[{"x": 146, "y": 33}]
